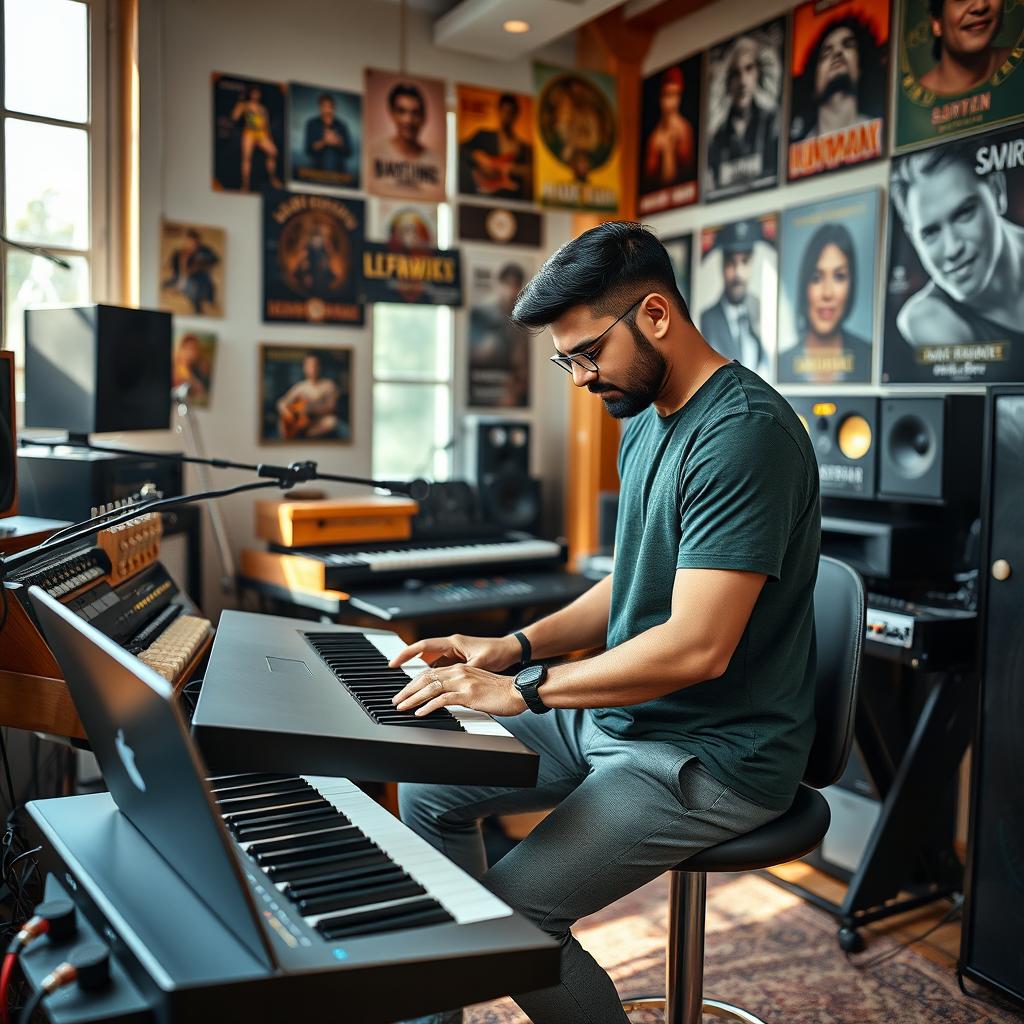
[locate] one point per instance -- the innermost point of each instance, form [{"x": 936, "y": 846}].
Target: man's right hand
[{"x": 491, "y": 653}]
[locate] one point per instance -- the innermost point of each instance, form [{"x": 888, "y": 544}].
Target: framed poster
[
  {"x": 248, "y": 133},
  {"x": 743, "y": 104},
  {"x": 737, "y": 290},
  {"x": 192, "y": 268},
  {"x": 498, "y": 361},
  {"x": 958, "y": 68},
  {"x": 325, "y": 135},
  {"x": 500, "y": 225},
  {"x": 670, "y": 137},
  {"x": 954, "y": 306},
  {"x": 578, "y": 145},
  {"x": 312, "y": 245},
  {"x": 839, "y": 63},
  {"x": 405, "y": 136},
  {"x": 192, "y": 364},
  {"x": 429, "y": 277},
  {"x": 827, "y": 274},
  {"x": 305, "y": 394},
  {"x": 495, "y": 133},
  {"x": 403, "y": 225}
]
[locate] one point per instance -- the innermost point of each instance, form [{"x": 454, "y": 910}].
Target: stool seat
[{"x": 793, "y": 834}]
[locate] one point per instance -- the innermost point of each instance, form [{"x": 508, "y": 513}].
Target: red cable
[{"x": 5, "y": 981}]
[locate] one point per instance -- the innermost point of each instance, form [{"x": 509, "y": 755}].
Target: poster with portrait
[
  {"x": 743, "y": 99},
  {"x": 959, "y": 68},
  {"x": 577, "y": 141},
  {"x": 305, "y": 394},
  {"x": 954, "y": 307},
  {"x": 499, "y": 225},
  {"x": 827, "y": 272},
  {"x": 192, "y": 268},
  {"x": 670, "y": 137},
  {"x": 680, "y": 252},
  {"x": 325, "y": 134},
  {"x": 312, "y": 245},
  {"x": 192, "y": 364},
  {"x": 498, "y": 352},
  {"x": 248, "y": 133},
  {"x": 406, "y": 131},
  {"x": 839, "y": 63},
  {"x": 403, "y": 225},
  {"x": 495, "y": 137},
  {"x": 737, "y": 290}
]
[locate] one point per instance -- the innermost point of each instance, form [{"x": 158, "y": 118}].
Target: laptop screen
[{"x": 149, "y": 764}]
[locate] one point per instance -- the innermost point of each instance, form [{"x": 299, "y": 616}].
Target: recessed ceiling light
[{"x": 516, "y": 26}]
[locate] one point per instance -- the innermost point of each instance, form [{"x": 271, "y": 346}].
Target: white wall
[{"x": 326, "y": 42}]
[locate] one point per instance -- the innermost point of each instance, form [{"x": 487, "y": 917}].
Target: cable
[
  {"x": 31, "y": 1006},
  {"x": 5, "y": 982},
  {"x": 864, "y": 965},
  {"x": 7, "y": 764}
]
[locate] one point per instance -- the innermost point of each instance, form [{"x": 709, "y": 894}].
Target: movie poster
[
  {"x": 958, "y": 67},
  {"x": 495, "y": 133},
  {"x": 405, "y": 132},
  {"x": 305, "y": 394},
  {"x": 403, "y": 225},
  {"x": 192, "y": 269},
  {"x": 737, "y": 290},
  {"x": 578, "y": 148},
  {"x": 325, "y": 128},
  {"x": 498, "y": 363},
  {"x": 840, "y": 72},
  {"x": 248, "y": 133},
  {"x": 670, "y": 137},
  {"x": 680, "y": 252},
  {"x": 192, "y": 365},
  {"x": 500, "y": 225},
  {"x": 827, "y": 273},
  {"x": 312, "y": 245},
  {"x": 954, "y": 306},
  {"x": 430, "y": 277},
  {"x": 743, "y": 105}
]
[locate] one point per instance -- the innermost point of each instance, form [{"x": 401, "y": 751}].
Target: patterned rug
[{"x": 773, "y": 954}]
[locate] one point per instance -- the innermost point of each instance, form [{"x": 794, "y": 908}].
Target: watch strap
[{"x": 527, "y": 649}]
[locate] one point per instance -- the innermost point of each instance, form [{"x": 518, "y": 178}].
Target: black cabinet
[{"x": 993, "y": 936}]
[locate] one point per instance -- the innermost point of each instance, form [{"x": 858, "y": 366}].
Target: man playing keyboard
[{"x": 695, "y": 722}]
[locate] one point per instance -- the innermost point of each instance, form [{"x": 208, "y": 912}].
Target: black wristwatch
[{"x": 527, "y": 682}]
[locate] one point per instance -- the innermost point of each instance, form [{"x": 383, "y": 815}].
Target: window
[
  {"x": 48, "y": 157},
  {"x": 412, "y": 376}
]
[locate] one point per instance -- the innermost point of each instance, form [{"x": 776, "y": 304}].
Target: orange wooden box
[{"x": 335, "y": 520}]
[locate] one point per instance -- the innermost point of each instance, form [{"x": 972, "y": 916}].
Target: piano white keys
[
  {"x": 477, "y": 722},
  {"x": 455, "y": 555},
  {"x": 461, "y": 895}
]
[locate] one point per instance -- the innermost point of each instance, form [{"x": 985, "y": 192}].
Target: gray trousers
[{"x": 624, "y": 812}]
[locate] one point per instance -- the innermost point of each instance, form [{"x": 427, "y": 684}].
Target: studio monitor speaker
[
  {"x": 843, "y": 433},
  {"x": 8, "y": 445},
  {"x": 930, "y": 449},
  {"x": 498, "y": 452},
  {"x": 96, "y": 369}
]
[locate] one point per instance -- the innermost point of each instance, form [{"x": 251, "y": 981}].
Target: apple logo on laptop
[{"x": 127, "y": 756}]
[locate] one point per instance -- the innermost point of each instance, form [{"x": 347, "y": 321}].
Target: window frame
[{"x": 96, "y": 126}]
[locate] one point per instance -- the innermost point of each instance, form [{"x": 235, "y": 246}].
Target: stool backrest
[{"x": 839, "y": 632}]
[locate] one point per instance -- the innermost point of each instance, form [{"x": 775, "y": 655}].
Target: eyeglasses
[{"x": 585, "y": 360}]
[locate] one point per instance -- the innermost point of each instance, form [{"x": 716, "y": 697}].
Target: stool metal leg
[{"x": 684, "y": 1001}]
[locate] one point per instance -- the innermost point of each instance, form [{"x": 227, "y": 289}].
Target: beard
[
  {"x": 644, "y": 380},
  {"x": 843, "y": 84}
]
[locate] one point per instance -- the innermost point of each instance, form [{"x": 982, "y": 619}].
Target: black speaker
[
  {"x": 842, "y": 430},
  {"x": 930, "y": 449},
  {"x": 498, "y": 452},
  {"x": 96, "y": 369},
  {"x": 8, "y": 462}
]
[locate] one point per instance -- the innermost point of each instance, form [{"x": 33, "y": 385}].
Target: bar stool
[{"x": 839, "y": 631}]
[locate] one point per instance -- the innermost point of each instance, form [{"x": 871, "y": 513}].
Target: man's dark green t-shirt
[{"x": 729, "y": 481}]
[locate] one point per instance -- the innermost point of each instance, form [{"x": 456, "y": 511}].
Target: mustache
[{"x": 597, "y": 389}]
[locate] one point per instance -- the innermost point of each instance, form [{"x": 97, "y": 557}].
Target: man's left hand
[{"x": 463, "y": 685}]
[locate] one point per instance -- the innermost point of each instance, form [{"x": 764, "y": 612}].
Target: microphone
[{"x": 418, "y": 489}]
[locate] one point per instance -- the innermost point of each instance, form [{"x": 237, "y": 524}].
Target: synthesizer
[
  {"x": 336, "y": 568},
  {"x": 286, "y": 695}
]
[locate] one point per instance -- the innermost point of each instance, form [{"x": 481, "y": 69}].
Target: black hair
[
  {"x": 404, "y": 89},
  {"x": 827, "y": 234},
  {"x": 605, "y": 269},
  {"x": 871, "y": 54},
  {"x": 326, "y": 97}
]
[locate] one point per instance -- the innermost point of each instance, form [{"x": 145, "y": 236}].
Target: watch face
[{"x": 530, "y": 675}]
